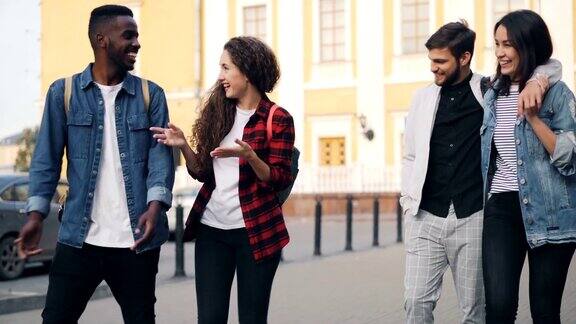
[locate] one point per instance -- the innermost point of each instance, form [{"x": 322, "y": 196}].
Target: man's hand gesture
[
  {"x": 29, "y": 239},
  {"x": 147, "y": 223}
]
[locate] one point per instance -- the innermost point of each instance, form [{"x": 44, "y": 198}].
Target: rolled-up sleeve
[
  {"x": 200, "y": 176},
  {"x": 39, "y": 204},
  {"x": 551, "y": 69},
  {"x": 563, "y": 157},
  {"x": 564, "y": 125},
  {"x": 161, "y": 194}
]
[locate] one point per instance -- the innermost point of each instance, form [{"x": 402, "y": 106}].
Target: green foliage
[{"x": 26, "y": 147}]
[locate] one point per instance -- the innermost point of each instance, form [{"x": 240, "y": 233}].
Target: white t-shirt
[
  {"x": 223, "y": 210},
  {"x": 110, "y": 220}
]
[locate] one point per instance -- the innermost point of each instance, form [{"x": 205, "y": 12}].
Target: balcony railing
[
  {"x": 347, "y": 179},
  {"x": 329, "y": 179}
]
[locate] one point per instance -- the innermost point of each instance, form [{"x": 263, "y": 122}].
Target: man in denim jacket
[{"x": 120, "y": 178}]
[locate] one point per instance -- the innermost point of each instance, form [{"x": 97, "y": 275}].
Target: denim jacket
[
  {"x": 547, "y": 184},
  {"x": 147, "y": 166}
]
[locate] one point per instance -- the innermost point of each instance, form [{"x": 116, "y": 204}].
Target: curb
[{"x": 23, "y": 301}]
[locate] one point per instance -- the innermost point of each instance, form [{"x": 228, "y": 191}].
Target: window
[
  {"x": 502, "y": 7},
  {"x": 21, "y": 192},
  {"x": 332, "y": 31},
  {"x": 332, "y": 151},
  {"x": 255, "y": 21},
  {"x": 8, "y": 194},
  {"x": 415, "y": 25}
]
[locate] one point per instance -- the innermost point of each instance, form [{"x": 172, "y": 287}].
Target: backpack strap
[
  {"x": 484, "y": 85},
  {"x": 67, "y": 94},
  {"x": 146, "y": 94},
  {"x": 269, "y": 122}
]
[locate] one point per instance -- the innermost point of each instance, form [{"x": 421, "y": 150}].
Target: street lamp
[{"x": 366, "y": 131}]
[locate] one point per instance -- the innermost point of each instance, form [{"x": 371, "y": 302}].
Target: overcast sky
[{"x": 19, "y": 65}]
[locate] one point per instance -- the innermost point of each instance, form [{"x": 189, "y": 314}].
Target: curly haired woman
[{"x": 237, "y": 219}]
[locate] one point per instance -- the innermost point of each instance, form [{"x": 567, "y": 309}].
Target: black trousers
[
  {"x": 504, "y": 249},
  {"x": 219, "y": 254},
  {"x": 76, "y": 273}
]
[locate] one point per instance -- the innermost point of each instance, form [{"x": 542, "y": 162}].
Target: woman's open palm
[{"x": 171, "y": 136}]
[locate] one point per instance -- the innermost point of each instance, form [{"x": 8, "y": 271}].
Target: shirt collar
[
  {"x": 465, "y": 83},
  {"x": 86, "y": 79},
  {"x": 264, "y": 107}
]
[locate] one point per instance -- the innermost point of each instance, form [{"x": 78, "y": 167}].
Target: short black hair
[
  {"x": 103, "y": 15},
  {"x": 530, "y": 37},
  {"x": 456, "y": 36}
]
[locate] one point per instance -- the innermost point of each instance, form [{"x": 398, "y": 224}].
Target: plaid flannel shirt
[{"x": 260, "y": 208}]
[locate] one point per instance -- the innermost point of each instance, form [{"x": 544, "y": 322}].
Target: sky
[{"x": 19, "y": 65}]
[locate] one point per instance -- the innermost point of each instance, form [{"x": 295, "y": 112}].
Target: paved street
[
  {"x": 357, "y": 287},
  {"x": 364, "y": 286},
  {"x": 300, "y": 249}
]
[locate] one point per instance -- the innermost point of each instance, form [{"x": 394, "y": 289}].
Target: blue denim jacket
[
  {"x": 147, "y": 166},
  {"x": 547, "y": 184}
]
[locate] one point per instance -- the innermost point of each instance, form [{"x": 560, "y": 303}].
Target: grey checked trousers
[{"x": 432, "y": 244}]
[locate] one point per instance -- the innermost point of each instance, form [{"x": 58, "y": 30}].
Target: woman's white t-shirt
[{"x": 223, "y": 209}]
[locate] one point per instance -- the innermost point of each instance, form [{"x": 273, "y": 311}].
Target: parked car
[
  {"x": 13, "y": 196},
  {"x": 185, "y": 196}
]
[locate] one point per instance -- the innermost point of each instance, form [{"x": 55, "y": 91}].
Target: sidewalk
[
  {"x": 28, "y": 292},
  {"x": 358, "y": 287}
]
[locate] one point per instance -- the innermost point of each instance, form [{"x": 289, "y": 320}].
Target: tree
[{"x": 26, "y": 147}]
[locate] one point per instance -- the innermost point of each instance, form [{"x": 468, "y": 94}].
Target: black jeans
[
  {"x": 504, "y": 248},
  {"x": 219, "y": 254},
  {"x": 76, "y": 273}
]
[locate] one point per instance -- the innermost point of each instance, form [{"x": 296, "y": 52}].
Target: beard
[
  {"x": 452, "y": 77},
  {"x": 118, "y": 56}
]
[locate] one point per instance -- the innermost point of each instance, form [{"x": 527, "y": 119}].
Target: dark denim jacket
[
  {"x": 147, "y": 166},
  {"x": 547, "y": 184}
]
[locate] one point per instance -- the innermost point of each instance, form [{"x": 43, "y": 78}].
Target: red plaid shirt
[{"x": 262, "y": 213}]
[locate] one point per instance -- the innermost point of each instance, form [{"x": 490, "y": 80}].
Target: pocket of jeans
[
  {"x": 139, "y": 136},
  {"x": 491, "y": 203},
  {"x": 79, "y": 134}
]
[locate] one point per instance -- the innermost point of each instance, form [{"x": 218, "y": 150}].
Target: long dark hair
[
  {"x": 529, "y": 35},
  {"x": 258, "y": 63}
]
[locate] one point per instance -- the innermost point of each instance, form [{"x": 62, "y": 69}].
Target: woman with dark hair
[
  {"x": 237, "y": 219},
  {"x": 529, "y": 167}
]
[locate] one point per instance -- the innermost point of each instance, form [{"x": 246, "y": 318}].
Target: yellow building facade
[
  {"x": 349, "y": 67},
  {"x": 169, "y": 55}
]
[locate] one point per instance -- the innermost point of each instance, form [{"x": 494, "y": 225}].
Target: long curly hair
[{"x": 258, "y": 63}]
